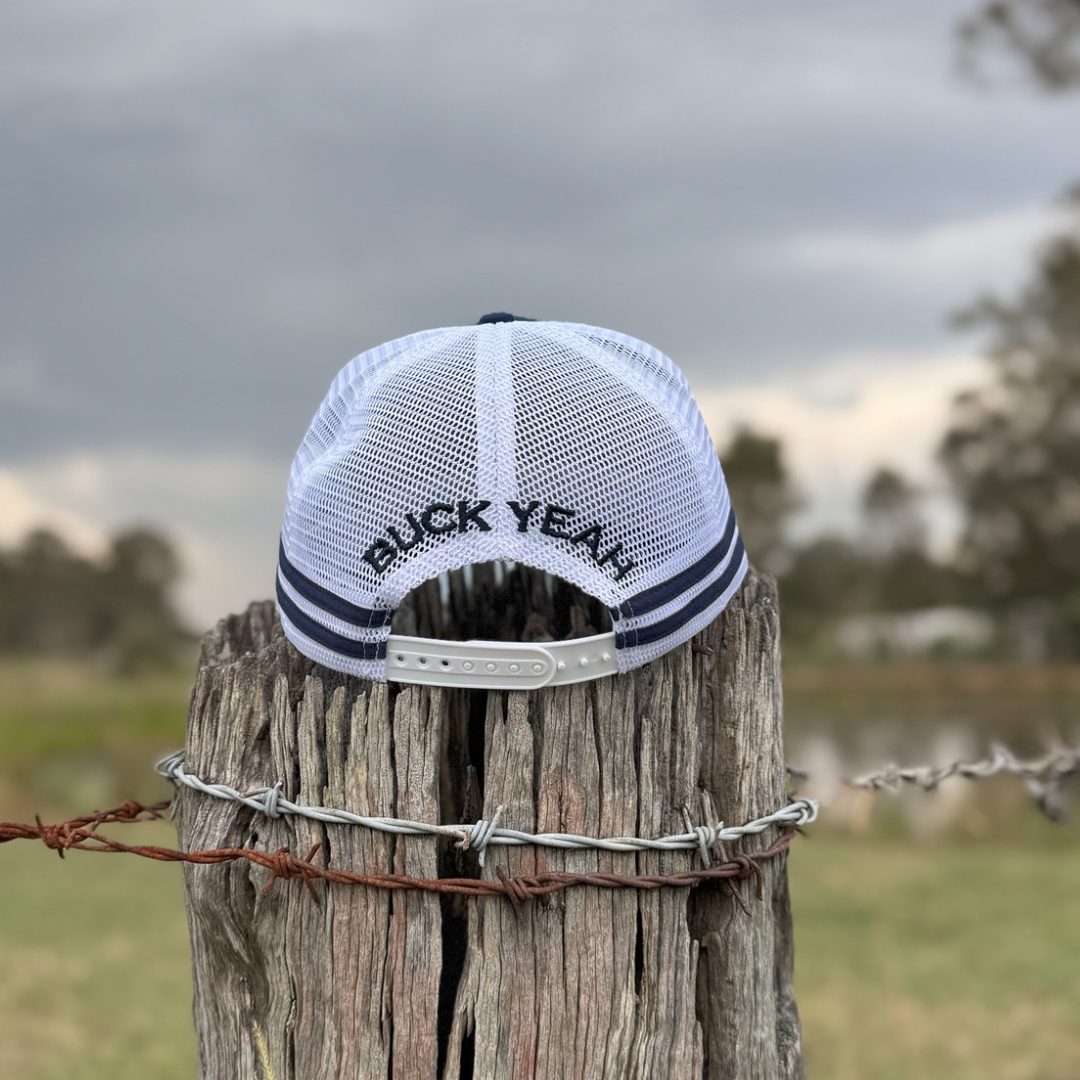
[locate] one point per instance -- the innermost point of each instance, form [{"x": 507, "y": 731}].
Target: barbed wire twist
[{"x": 477, "y": 837}]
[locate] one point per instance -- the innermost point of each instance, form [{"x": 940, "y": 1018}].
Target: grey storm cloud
[{"x": 207, "y": 209}]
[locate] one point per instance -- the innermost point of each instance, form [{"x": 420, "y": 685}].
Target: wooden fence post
[{"x": 671, "y": 984}]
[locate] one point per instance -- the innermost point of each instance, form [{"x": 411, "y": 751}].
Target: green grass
[
  {"x": 958, "y": 958},
  {"x": 75, "y": 738},
  {"x": 96, "y": 981}
]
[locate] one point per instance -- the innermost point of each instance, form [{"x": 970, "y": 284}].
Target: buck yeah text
[{"x": 443, "y": 519}]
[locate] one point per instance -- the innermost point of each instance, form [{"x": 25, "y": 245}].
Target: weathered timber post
[{"x": 673, "y": 983}]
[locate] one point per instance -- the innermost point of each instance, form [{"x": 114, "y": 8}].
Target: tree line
[
  {"x": 54, "y": 602},
  {"x": 1011, "y": 455},
  {"x": 1011, "y": 452}
]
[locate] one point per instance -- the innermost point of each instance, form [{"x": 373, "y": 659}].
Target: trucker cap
[{"x": 569, "y": 448}]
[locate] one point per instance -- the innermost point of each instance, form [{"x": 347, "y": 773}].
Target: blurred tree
[
  {"x": 145, "y": 560},
  {"x": 891, "y": 509},
  {"x": 141, "y": 626},
  {"x": 827, "y": 578},
  {"x": 1018, "y": 542},
  {"x": 901, "y": 575},
  {"x": 1043, "y": 35},
  {"x": 52, "y": 595},
  {"x": 762, "y": 495},
  {"x": 1013, "y": 451},
  {"x": 55, "y": 603}
]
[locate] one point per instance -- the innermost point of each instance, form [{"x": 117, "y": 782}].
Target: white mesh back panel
[{"x": 569, "y": 448}]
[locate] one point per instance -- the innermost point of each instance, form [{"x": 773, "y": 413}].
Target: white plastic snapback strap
[{"x": 499, "y": 665}]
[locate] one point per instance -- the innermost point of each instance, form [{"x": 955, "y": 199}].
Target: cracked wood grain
[{"x": 585, "y": 984}]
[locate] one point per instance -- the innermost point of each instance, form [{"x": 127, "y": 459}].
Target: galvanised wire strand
[
  {"x": 1041, "y": 776},
  {"x": 1058, "y": 763},
  {"x": 702, "y": 838}
]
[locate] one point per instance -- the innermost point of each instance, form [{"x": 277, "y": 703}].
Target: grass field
[
  {"x": 96, "y": 982},
  {"x": 954, "y": 958}
]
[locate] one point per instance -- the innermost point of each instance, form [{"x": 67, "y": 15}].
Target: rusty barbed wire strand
[{"x": 80, "y": 834}]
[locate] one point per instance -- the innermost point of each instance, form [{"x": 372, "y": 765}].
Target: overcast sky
[{"x": 209, "y": 207}]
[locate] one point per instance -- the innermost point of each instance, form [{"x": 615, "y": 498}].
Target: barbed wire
[
  {"x": 703, "y": 838},
  {"x": 80, "y": 834},
  {"x": 1042, "y": 776}
]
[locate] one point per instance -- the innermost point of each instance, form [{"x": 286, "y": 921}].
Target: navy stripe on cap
[
  {"x": 683, "y": 582},
  {"x": 645, "y": 635},
  {"x": 338, "y": 643},
  {"x": 331, "y": 603}
]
